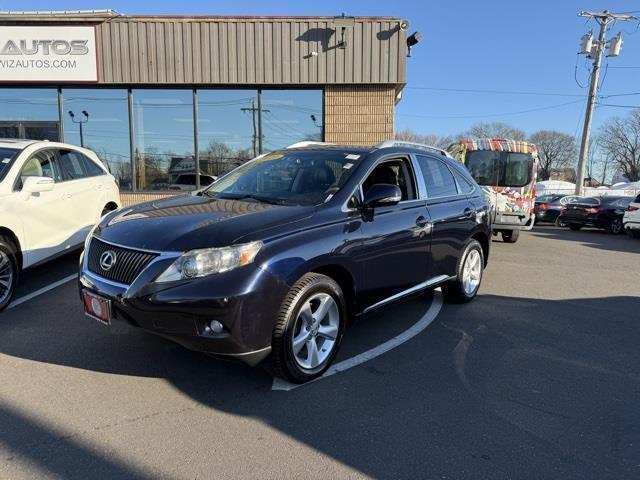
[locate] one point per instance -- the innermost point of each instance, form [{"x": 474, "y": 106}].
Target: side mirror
[
  {"x": 37, "y": 184},
  {"x": 382, "y": 195}
]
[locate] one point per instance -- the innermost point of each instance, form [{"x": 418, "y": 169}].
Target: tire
[
  {"x": 510, "y": 236},
  {"x": 633, "y": 233},
  {"x": 8, "y": 271},
  {"x": 559, "y": 223},
  {"x": 575, "y": 227},
  {"x": 615, "y": 227},
  {"x": 454, "y": 291},
  {"x": 310, "y": 291}
]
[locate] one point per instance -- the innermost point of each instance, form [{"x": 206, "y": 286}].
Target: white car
[
  {"x": 188, "y": 182},
  {"x": 51, "y": 195},
  {"x": 631, "y": 219}
]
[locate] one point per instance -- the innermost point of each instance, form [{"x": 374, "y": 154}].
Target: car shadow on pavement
[
  {"x": 591, "y": 237},
  {"x": 499, "y": 388}
]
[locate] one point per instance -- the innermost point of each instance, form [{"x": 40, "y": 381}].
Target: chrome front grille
[{"x": 126, "y": 266}]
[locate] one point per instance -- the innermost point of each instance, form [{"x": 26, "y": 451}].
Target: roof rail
[
  {"x": 307, "y": 143},
  {"x": 422, "y": 146}
]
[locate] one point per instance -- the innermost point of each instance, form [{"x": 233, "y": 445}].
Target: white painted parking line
[
  {"x": 416, "y": 328},
  {"x": 42, "y": 290}
]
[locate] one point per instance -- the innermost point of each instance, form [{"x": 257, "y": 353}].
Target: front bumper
[{"x": 245, "y": 301}]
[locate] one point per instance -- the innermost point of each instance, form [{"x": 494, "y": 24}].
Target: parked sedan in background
[
  {"x": 600, "y": 212},
  {"x": 51, "y": 195},
  {"x": 549, "y": 207},
  {"x": 631, "y": 219},
  {"x": 188, "y": 182}
]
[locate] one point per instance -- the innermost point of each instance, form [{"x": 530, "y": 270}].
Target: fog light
[{"x": 216, "y": 326}]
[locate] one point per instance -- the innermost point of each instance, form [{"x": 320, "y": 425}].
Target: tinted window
[
  {"x": 41, "y": 164},
  {"x": 393, "y": 172},
  {"x": 437, "y": 178},
  {"x": 587, "y": 201},
  {"x": 72, "y": 165},
  {"x": 499, "y": 169},
  {"x": 91, "y": 167},
  {"x": 465, "y": 186},
  {"x": 637, "y": 200}
]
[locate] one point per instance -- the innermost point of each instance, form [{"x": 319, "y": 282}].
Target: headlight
[{"x": 207, "y": 261}]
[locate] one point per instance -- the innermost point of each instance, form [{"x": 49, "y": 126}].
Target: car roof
[
  {"x": 16, "y": 142},
  {"x": 362, "y": 149}
]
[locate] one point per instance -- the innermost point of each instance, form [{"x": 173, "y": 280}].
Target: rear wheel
[
  {"x": 615, "y": 227},
  {"x": 575, "y": 227},
  {"x": 469, "y": 275},
  {"x": 511, "y": 236},
  {"x": 633, "y": 233},
  {"x": 8, "y": 272},
  {"x": 309, "y": 329}
]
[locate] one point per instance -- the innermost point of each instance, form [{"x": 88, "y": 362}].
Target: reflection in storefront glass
[
  {"x": 291, "y": 116},
  {"x": 104, "y": 118},
  {"x": 29, "y": 113},
  {"x": 226, "y": 129},
  {"x": 164, "y": 141}
]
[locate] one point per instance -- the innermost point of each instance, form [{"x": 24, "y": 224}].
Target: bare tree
[
  {"x": 620, "y": 141},
  {"x": 556, "y": 151},
  {"x": 439, "y": 141},
  {"x": 495, "y": 130}
]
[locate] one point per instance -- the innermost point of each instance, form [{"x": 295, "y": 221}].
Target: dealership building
[{"x": 155, "y": 96}]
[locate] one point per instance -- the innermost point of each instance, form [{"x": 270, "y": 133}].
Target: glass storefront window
[
  {"x": 164, "y": 142},
  {"x": 226, "y": 129},
  {"x": 105, "y": 127},
  {"x": 291, "y": 116},
  {"x": 29, "y": 113}
]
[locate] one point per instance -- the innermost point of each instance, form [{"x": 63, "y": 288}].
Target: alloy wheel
[
  {"x": 471, "y": 272},
  {"x": 6, "y": 276},
  {"x": 315, "y": 331}
]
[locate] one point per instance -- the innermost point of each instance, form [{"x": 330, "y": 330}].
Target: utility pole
[
  {"x": 80, "y": 122},
  {"x": 594, "y": 49},
  {"x": 257, "y": 130}
]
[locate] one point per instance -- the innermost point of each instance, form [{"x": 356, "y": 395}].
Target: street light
[{"x": 80, "y": 122}]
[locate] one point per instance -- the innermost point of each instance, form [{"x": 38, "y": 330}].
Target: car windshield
[
  {"x": 288, "y": 177},
  {"x": 499, "y": 169},
  {"x": 588, "y": 201},
  {"x": 6, "y": 158}
]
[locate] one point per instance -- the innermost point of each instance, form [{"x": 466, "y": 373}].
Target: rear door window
[
  {"x": 72, "y": 165},
  {"x": 437, "y": 177},
  {"x": 91, "y": 167}
]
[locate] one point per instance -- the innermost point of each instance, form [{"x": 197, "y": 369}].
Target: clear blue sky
[{"x": 502, "y": 45}]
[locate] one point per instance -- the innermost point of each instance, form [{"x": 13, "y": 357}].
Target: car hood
[{"x": 188, "y": 222}]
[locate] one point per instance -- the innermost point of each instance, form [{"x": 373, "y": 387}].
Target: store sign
[{"x": 48, "y": 54}]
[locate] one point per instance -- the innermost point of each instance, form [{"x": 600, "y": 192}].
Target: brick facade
[{"x": 359, "y": 114}]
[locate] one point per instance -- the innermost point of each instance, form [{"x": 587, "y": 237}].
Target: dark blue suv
[{"x": 271, "y": 261}]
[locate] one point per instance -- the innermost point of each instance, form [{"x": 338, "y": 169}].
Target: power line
[
  {"x": 496, "y": 92},
  {"x": 619, "y": 106},
  {"x": 549, "y": 107}
]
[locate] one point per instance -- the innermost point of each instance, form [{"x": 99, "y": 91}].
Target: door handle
[
  {"x": 424, "y": 225},
  {"x": 66, "y": 196},
  {"x": 421, "y": 222}
]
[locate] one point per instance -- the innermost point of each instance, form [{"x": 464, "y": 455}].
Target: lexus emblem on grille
[{"x": 107, "y": 260}]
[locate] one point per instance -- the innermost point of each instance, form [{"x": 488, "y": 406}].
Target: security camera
[{"x": 404, "y": 25}]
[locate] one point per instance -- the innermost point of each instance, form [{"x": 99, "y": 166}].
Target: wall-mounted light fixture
[{"x": 413, "y": 39}]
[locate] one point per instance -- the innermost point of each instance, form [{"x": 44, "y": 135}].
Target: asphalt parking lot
[{"x": 537, "y": 378}]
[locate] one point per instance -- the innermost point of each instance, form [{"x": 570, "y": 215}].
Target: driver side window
[
  {"x": 393, "y": 172},
  {"x": 41, "y": 164}
]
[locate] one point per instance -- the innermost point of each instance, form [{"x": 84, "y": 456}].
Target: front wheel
[
  {"x": 615, "y": 227},
  {"x": 309, "y": 329},
  {"x": 469, "y": 275},
  {"x": 8, "y": 272},
  {"x": 511, "y": 236}
]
